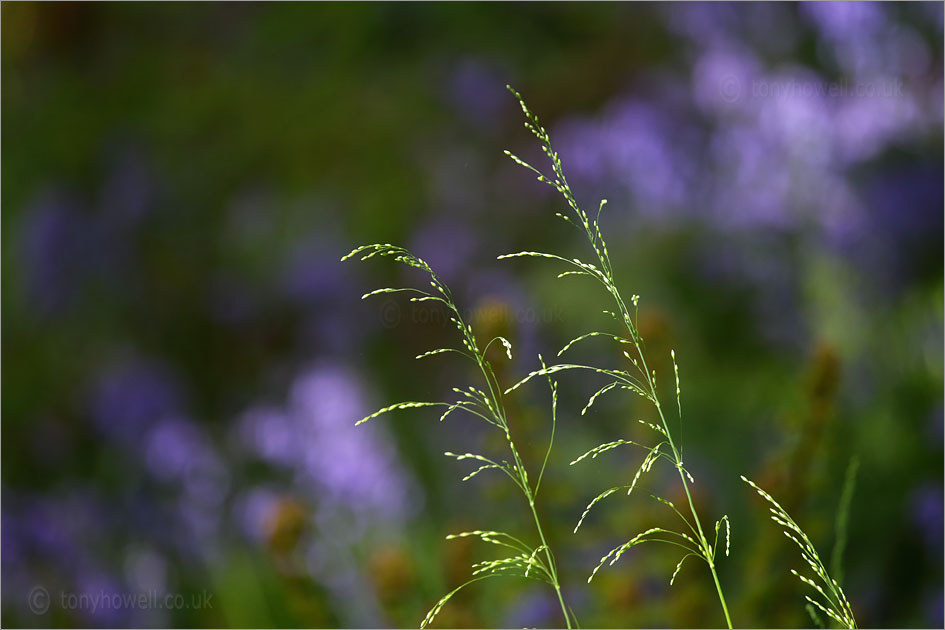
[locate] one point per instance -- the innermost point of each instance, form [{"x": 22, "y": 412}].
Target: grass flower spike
[
  {"x": 834, "y": 602},
  {"x": 692, "y": 538},
  {"x": 528, "y": 561}
]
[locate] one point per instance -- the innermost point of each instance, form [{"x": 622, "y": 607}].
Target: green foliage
[{"x": 843, "y": 518}]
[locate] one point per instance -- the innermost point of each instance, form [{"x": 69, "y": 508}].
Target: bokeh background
[{"x": 186, "y": 356}]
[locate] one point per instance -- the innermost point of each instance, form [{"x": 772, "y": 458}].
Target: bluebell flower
[
  {"x": 353, "y": 466},
  {"x": 534, "y": 609},
  {"x": 54, "y": 241},
  {"x": 269, "y": 433},
  {"x": 253, "y": 511},
  {"x": 99, "y": 586},
  {"x": 706, "y": 23},
  {"x": 312, "y": 279},
  {"x": 350, "y": 468},
  {"x": 129, "y": 396},
  {"x": 927, "y": 516},
  {"x": 178, "y": 449},
  {"x": 476, "y": 90},
  {"x": 447, "y": 244},
  {"x": 179, "y": 452},
  {"x": 845, "y": 21}
]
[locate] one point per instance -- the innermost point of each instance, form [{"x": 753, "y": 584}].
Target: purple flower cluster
[
  {"x": 64, "y": 541},
  {"x": 927, "y": 511},
  {"x": 352, "y": 468},
  {"x": 348, "y": 476},
  {"x": 769, "y": 143},
  {"x": 55, "y": 251},
  {"x": 128, "y": 397},
  {"x": 66, "y": 243},
  {"x": 750, "y": 147},
  {"x": 139, "y": 406},
  {"x": 476, "y": 89}
]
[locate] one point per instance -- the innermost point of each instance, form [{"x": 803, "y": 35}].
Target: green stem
[
  {"x": 708, "y": 552},
  {"x": 718, "y": 588},
  {"x": 495, "y": 393},
  {"x": 606, "y": 276},
  {"x": 551, "y": 564}
]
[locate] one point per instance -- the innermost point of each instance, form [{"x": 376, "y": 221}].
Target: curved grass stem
[
  {"x": 487, "y": 405},
  {"x": 603, "y": 272}
]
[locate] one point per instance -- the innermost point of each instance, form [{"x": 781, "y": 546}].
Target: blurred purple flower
[
  {"x": 253, "y": 509},
  {"x": 865, "y": 43},
  {"x": 903, "y": 206},
  {"x": 477, "y": 91},
  {"x": 54, "y": 250},
  {"x": 707, "y": 23},
  {"x": 313, "y": 274},
  {"x": 794, "y": 113},
  {"x": 906, "y": 204},
  {"x": 130, "y": 396},
  {"x": 146, "y": 570},
  {"x": 159, "y": 521},
  {"x": 48, "y": 530},
  {"x": 774, "y": 150},
  {"x": 65, "y": 245},
  {"x": 844, "y": 20},
  {"x": 581, "y": 145},
  {"x": 314, "y": 279},
  {"x": 535, "y": 609},
  {"x": 62, "y": 530},
  {"x": 751, "y": 187},
  {"x": 179, "y": 451},
  {"x": 269, "y": 433},
  {"x": 640, "y": 143},
  {"x": 331, "y": 558},
  {"x": 633, "y": 149},
  {"x": 927, "y": 515},
  {"x": 850, "y": 35},
  {"x": 723, "y": 80},
  {"x": 351, "y": 465},
  {"x": 11, "y": 551},
  {"x": 355, "y": 467},
  {"x": 106, "y": 592},
  {"x": 447, "y": 245}
]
